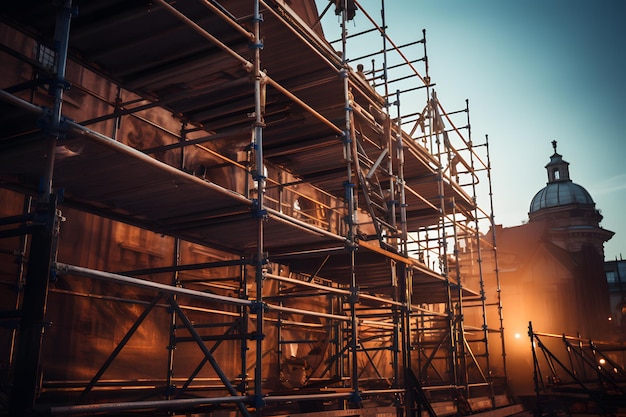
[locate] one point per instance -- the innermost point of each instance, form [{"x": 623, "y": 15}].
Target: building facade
[
  {"x": 616, "y": 279},
  {"x": 550, "y": 271}
]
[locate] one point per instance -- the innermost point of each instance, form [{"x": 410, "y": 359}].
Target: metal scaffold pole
[
  {"x": 402, "y": 315},
  {"x": 427, "y": 143},
  {"x": 26, "y": 381},
  {"x": 438, "y": 128},
  {"x": 351, "y": 208},
  {"x": 459, "y": 339},
  {"x": 492, "y": 220},
  {"x": 479, "y": 260},
  {"x": 259, "y": 174},
  {"x": 170, "y": 386},
  {"x": 390, "y": 167},
  {"x": 404, "y": 250},
  {"x": 245, "y": 318}
]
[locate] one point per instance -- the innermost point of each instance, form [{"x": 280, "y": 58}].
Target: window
[{"x": 46, "y": 56}]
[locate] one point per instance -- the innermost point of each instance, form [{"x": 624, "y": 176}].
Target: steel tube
[
  {"x": 305, "y": 397},
  {"x": 380, "y": 299},
  {"x": 22, "y": 104},
  {"x": 308, "y": 284},
  {"x": 307, "y": 312},
  {"x": 275, "y": 214},
  {"x": 187, "y": 267},
  {"x": 193, "y": 25},
  {"x": 142, "y": 405},
  {"x": 107, "y": 276},
  {"x": 259, "y": 177},
  {"x": 331, "y": 55},
  {"x": 228, "y": 19},
  {"x": 302, "y": 104}
]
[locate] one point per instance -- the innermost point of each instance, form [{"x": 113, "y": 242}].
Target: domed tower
[{"x": 568, "y": 210}]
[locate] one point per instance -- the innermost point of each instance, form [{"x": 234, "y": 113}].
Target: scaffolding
[
  {"x": 212, "y": 210},
  {"x": 573, "y": 374}
]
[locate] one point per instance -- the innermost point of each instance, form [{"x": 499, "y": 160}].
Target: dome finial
[{"x": 554, "y": 145}]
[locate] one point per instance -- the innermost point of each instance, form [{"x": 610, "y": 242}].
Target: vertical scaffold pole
[
  {"x": 351, "y": 209},
  {"x": 390, "y": 167},
  {"x": 245, "y": 317},
  {"x": 428, "y": 145},
  {"x": 259, "y": 174},
  {"x": 479, "y": 260},
  {"x": 460, "y": 328},
  {"x": 404, "y": 250},
  {"x": 438, "y": 128},
  {"x": 492, "y": 219},
  {"x": 170, "y": 386},
  {"x": 26, "y": 379},
  {"x": 20, "y": 262},
  {"x": 57, "y": 87},
  {"x": 404, "y": 273},
  {"x": 42, "y": 249},
  {"x": 384, "y": 35}
]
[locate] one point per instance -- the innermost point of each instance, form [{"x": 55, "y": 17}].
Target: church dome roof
[
  {"x": 560, "y": 190},
  {"x": 560, "y": 194}
]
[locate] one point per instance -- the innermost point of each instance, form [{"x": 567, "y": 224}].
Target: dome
[
  {"x": 560, "y": 191},
  {"x": 560, "y": 194}
]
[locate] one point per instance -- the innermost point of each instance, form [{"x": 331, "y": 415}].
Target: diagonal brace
[
  {"x": 208, "y": 355},
  {"x": 120, "y": 346},
  {"x": 203, "y": 362}
]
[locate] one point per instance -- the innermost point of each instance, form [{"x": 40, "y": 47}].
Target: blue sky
[{"x": 534, "y": 71}]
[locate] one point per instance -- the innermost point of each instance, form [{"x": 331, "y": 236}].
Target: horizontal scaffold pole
[
  {"x": 194, "y": 402},
  {"x": 188, "y": 267},
  {"x": 272, "y": 307},
  {"x": 302, "y": 104},
  {"x": 276, "y": 215},
  {"x": 228, "y": 18},
  {"x": 142, "y": 405},
  {"x": 318, "y": 47},
  {"x": 126, "y": 150},
  {"x": 62, "y": 268},
  {"x": 169, "y": 289},
  {"x": 308, "y": 284},
  {"x": 193, "y": 25}
]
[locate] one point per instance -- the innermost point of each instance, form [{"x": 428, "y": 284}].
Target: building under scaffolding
[{"x": 207, "y": 209}]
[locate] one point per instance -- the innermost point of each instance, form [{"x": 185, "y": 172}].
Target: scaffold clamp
[
  {"x": 346, "y": 137},
  {"x": 256, "y": 212},
  {"x": 256, "y": 45},
  {"x": 255, "y": 307},
  {"x": 57, "y": 83},
  {"x": 356, "y": 397},
  {"x": 354, "y": 295},
  {"x": 257, "y": 401},
  {"x": 351, "y": 245},
  {"x": 257, "y": 336}
]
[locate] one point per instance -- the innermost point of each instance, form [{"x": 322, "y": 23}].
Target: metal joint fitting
[
  {"x": 255, "y": 307},
  {"x": 356, "y": 397},
  {"x": 257, "y": 401}
]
